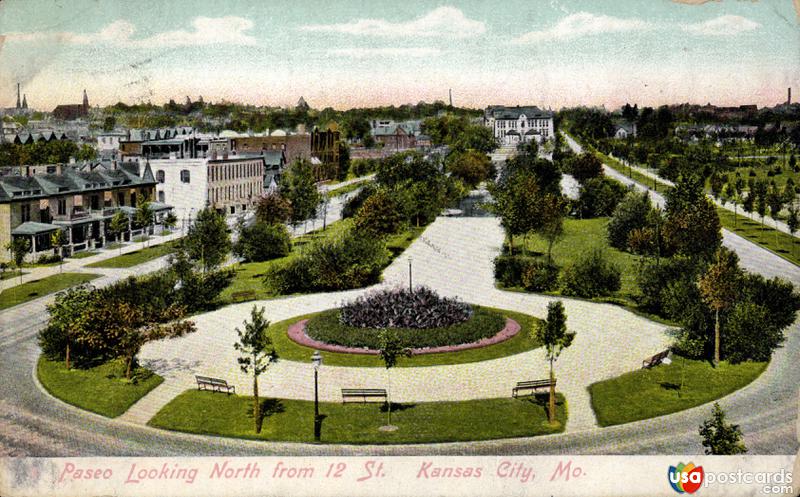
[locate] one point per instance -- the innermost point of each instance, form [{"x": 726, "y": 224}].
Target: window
[
  {"x": 161, "y": 197},
  {"x": 95, "y": 202},
  {"x": 26, "y": 212},
  {"x": 160, "y": 176},
  {"x": 185, "y": 176},
  {"x": 62, "y": 207},
  {"x": 120, "y": 198},
  {"x": 133, "y": 200},
  {"x": 233, "y": 209}
]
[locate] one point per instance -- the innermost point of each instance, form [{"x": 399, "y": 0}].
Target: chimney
[
  {"x": 789, "y": 99},
  {"x": 19, "y": 102}
]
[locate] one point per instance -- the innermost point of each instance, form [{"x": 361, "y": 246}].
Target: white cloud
[
  {"x": 722, "y": 26},
  {"x": 363, "y": 53},
  {"x": 583, "y": 24},
  {"x": 443, "y": 22},
  {"x": 207, "y": 31}
]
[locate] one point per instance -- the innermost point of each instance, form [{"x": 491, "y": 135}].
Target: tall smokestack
[
  {"x": 789, "y": 99},
  {"x": 19, "y": 102},
  {"x": 451, "y": 97}
]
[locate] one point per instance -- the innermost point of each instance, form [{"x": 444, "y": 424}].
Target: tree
[
  {"x": 720, "y": 437},
  {"x": 134, "y": 327},
  {"x": 68, "y": 318},
  {"x": 109, "y": 123},
  {"x": 472, "y": 167},
  {"x": 719, "y": 288},
  {"x": 516, "y": 203},
  {"x": 272, "y": 208},
  {"x": 208, "y": 240},
  {"x": 170, "y": 220},
  {"x": 553, "y": 334},
  {"x": 692, "y": 226},
  {"x": 143, "y": 217},
  {"x": 748, "y": 203},
  {"x": 775, "y": 202},
  {"x": 19, "y": 248},
  {"x": 729, "y": 192},
  {"x": 255, "y": 347},
  {"x": 586, "y": 166},
  {"x": 552, "y": 221},
  {"x": 631, "y": 213},
  {"x": 793, "y": 222},
  {"x": 599, "y": 197},
  {"x": 299, "y": 188},
  {"x": 58, "y": 239},
  {"x": 118, "y": 225},
  {"x": 390, "y": 350},
  {"x": 380, "y": 215},
  {"x": 262, "y": 242}
]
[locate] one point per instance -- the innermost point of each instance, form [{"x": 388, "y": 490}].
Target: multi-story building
[
  {"x": 512, "y": 125},
  {"x": 81, "y": 203},
  {"x": 108, "y": 141},
  {"x": 294, "y": 146},
  {"x": 229, "y": 183}
]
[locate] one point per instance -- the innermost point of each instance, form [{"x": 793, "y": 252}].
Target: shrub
[
  {"x": 272, "y": 208},
  {"x": 748, "y": 335},
  {"x": 355, "y": 202},
  {"x": 591, "y": 276},
  {"x": 539, "y": 276},
  {"x": 483, "y": 323},
  {"x": 508, "y": 269},
  {"x": 350, "y": 260},
  {"x": 48, "y": 258},
  {"x": 402, "y": 308},
  {"x": 262, "y": 242}
]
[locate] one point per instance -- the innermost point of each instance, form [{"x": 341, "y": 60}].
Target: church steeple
[
  {"x": 24, "y": 101},
  {"x": 18, "y": 102},
  {"x": 85, "y": 100}
]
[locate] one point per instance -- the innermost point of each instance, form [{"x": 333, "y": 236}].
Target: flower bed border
[{"x": 297, "y": 333}]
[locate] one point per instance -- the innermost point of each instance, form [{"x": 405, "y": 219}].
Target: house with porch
[
  {"x": 81, "y": 203},
  {"x": 512, "y": 125}
]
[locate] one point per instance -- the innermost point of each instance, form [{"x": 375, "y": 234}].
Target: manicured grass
[
  {"x": 84, "y": 254},
  {"x": 581, "y": 237},
  {"x": 347, "y": 188},
  {"x": 781, "y": 243},
  {"x": 138, "y": 257},
  {"x": 34, "y": 289},
  {"x": 648, "y": 393},
  {"x": 523, "y": 341},
  {"x": 293, "y": 420},
  {"x": 102, "y": 389},
  {"x": 10, "y": 273}
]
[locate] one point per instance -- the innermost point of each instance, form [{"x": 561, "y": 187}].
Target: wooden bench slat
[
  {"x": 363, "y": 393},
  {"x": 215, "y": 384},
  {"x": 530, "y": 385}
]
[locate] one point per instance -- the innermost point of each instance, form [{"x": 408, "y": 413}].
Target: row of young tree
[{"x": 41, "y": 152}]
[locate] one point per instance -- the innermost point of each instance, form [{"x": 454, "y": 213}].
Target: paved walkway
[{"x": 454, "y": 256}]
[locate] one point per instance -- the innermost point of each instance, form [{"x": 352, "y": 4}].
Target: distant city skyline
[{"x": 347, "y": 54}]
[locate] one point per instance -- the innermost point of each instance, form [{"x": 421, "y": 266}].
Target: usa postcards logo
[{"x": 685, "y": 478}]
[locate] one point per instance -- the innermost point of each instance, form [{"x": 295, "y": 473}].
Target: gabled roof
[
  {"x": 32, "y": 228},
  {"x": 530, "y": 112}
]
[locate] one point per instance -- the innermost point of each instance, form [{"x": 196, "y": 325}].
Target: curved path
[{"x": 33, "y": 423}]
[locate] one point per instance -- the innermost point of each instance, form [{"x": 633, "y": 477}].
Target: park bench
[
  {"x": 214, "y": 384},
  {"x": 243, "y": 296},
  {"x": 655, "y": 360},
  {"x": 364, "y": 394},
  {"x": 532, "y": 386}
]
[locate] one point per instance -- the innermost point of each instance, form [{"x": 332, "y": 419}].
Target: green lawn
[
  {"x": 10, "y": 273},
  {"x": 523, "y": 341},
  {"x": 34, "y": 289},
  {"x": 138, "y": 257},
  {"x": 581, "y": 237},
  {"x": 102, "y": 389},
  {"x": 84, "y": 254},
  {"x": 293, "y": 420},
  {"x": 648, "y": 393},
  {"x": 347, "y": 188}
]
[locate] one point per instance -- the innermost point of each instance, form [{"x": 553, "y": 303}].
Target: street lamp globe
[{"x": 316, "y": 359}]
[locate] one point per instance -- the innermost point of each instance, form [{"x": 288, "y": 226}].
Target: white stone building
[
  {"x": 512, "y": 125},
  {"x": 230, "y": 184},
  {"x": 109, "y": 141}
]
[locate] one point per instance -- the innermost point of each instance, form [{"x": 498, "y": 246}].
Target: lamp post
[
  {"x": 316, "y": 360},
  {"x": 410, "y": 286}
]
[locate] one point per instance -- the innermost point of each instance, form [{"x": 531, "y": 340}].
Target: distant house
[
  {"x": 395, "y": 137},
  {"x": 512, "y": 125},
  {"x": 624, "y": 130},
  {"x": 274, "y": 164},
  {"x": 109, "y": 140}
]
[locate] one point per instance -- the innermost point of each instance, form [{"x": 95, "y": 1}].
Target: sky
[{"x": 361, "y": 53}]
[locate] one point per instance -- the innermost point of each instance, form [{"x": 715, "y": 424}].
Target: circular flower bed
[
  {"x": 402, "y": 308},
  {"x": 327, "y": 327}
]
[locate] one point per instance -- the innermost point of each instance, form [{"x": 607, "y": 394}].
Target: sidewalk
[{"x": 72, "y": 265}]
